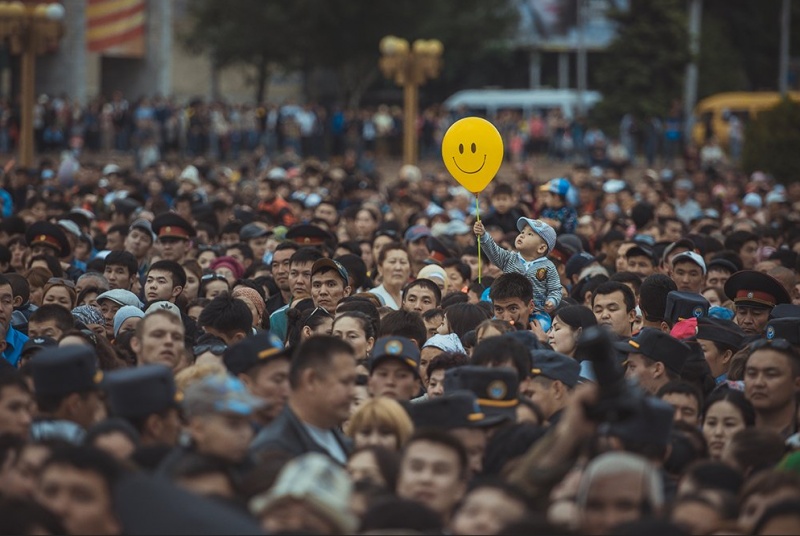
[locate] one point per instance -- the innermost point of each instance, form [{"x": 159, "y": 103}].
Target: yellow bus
[{"x": 745, "y": 105}]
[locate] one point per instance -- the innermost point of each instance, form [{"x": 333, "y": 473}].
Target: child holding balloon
[{"x": 535, "y": 240}]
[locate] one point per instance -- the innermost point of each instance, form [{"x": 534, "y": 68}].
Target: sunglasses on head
[
  {"x": 778, "y": 344},
  {"x": 213, "y": 277},
  {"x": 61, "y": 281},
  {"x": 318, "y": 310},
  {"x": 215, "y": 348}
]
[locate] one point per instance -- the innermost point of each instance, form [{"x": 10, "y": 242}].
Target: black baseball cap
[
  {"x": 784, "y": 328},
  {"x": 458, "y": 409},
  {"x": 556, "y": 366},
  {"x": 399, "y": 348},
  {"x": 683, "y": 305},
  {"x": 658, "y": 346},
  {"x": 252, "y": 351},
  {"x": 59, "y": 371},
  {"x": 141, "y": 391},
  {"x": 720, "y": 331},
  {"x": 38, "y": 343},
  {"x": 497, "y": 389}
]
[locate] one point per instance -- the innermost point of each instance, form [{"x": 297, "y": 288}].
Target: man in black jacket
[{"x": 323, "y": 379}]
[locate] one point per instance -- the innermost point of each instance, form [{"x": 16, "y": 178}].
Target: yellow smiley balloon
[{"x": 472, "y": 150}]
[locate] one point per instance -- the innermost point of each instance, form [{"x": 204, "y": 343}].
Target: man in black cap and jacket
[
  {"x": 323, "y": 380},
  {"x": 65, "y": 381}
]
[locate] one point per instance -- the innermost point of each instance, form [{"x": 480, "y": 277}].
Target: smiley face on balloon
[{"x": 472, "y": 150}]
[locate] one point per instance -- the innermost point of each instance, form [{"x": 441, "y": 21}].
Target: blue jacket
[{"x": 14, "y": 343}]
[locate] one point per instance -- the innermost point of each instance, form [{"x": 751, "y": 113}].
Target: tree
[
  {"x": 771, "y": 142},
  {"x": 642, "y": 71},
  {"x": 255, "y": 33},
  {"x": 345, "y": 34},
  {"x": 341, "y": 35}
]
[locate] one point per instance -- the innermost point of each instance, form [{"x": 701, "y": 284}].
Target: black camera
[{"x": 619, "y": 400}]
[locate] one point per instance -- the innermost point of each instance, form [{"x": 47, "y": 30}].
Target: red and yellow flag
[{"x": 116, "y": 27}]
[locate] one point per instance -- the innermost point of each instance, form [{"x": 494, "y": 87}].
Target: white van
[{"x": 487, "y": 102}]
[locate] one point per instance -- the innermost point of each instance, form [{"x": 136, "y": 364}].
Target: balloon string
[{"x": 478, "y": 213}]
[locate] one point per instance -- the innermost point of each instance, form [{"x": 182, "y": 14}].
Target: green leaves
[
  {"x": 642, "y": 70},
  {"x": 342, "y": 36},
  {"x": 771, "y": 142}
]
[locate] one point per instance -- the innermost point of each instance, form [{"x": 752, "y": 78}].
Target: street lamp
[
  {"x": 410, "y": 67},
  {"x": 30, "y": 28}
]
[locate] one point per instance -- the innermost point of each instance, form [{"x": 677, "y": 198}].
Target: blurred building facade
[{"x": 133, "y": 46}]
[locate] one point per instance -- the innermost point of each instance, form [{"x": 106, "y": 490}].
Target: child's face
[
  {"x": 502, "y": 203},
  {"x": 530, "y": 244},
  {"x": 552, "y": 200}
]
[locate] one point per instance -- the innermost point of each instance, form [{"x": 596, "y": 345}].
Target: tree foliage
[
  {"x": 771, "y": 142},
  {"x": 256, "y": 33},
  {"x": 643, "y": 69},
  {"x": 739, "y": 46},
  {"x": 343, "y": 35}
]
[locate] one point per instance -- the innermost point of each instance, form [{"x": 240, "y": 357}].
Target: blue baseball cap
[
  {"x": 539, "y": 227},
  {"x": 559, "y": 186}
]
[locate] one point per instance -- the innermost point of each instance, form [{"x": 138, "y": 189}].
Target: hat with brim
[
  {"x": 398, "y": 348},
  {"x": 722, "y": 264},
  {"x": 456, "y": 409},
  {"x": 755, "y": 289},
  {"x": 171, "y": 225},
  {"x": 121, "y": 297},
  {"x": 496, "y": 389},
  {"x": 326, "y": 264},
  {"x": 44, "y": 233},
  {"x": 785, "y": 310},
  {"x": 310, "y": 235},
  {"x": 656, "y": 345},
  {"x": 720, "y": 331},
  {"x": 690, "y": 256},
  {"x": 784, "y": 328}
]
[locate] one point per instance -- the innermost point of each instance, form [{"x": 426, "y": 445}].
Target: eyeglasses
[{"x": 61, "y": 281}]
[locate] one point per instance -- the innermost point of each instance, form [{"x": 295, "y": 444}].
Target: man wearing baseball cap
[
  {"x": 754, "y": 294},
  {"x": 654, "y": 358},
  {"x": 460, "y": 413},
  {"x": 688, "y": 271},
  {"x": 394, "y": 369},
  {"x": 218, "y": 412},
  {"x": 640, "y": 260},
  {"x": 262, "y": 364},
  {"x": 147, "y": 398},
  {"x": 329, "y": 283},
  {"x": 416, "y": 238},
  {"x": 554, "y": 376}
]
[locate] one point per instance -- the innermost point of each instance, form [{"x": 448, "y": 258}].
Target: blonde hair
[
  {"x": 195, "y": 373},
  {"x": 385, "y": 412}
]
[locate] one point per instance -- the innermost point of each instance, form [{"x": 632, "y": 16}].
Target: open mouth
[{"x": 470, "y": 172}]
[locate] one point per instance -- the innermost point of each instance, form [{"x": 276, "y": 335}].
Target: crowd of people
[
  {"x": 300, "y": 346},
  {"x": 152, "y": 128}
]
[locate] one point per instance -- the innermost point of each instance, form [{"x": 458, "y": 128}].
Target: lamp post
[
  {"x": 410, "y": 67},
  {"x": 30, "y": 28}
]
